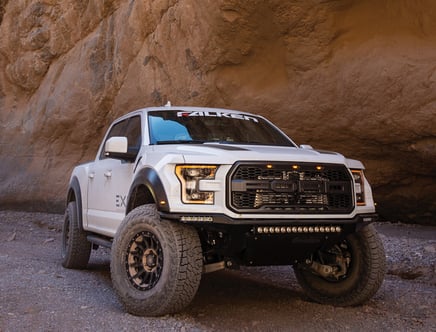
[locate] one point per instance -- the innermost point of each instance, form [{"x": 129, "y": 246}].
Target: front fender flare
[{"x": 149, "y": 178}]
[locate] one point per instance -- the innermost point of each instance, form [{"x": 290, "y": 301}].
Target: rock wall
[{"x": 358, "y": 77}]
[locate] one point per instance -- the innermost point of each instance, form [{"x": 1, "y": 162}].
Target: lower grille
[{"x": 290, "y": 188}]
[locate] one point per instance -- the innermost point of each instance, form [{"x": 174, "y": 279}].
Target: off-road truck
[{"x": 180, "y": 191}]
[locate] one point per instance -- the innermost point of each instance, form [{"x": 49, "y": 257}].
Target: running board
[
  {"x": 99, "y": 241},
  {"x": 214, "y": 267}
]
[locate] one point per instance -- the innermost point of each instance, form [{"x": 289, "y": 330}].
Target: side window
[
  {"x": 133, "y": 134},
  {"x": 130, "y": 128}
]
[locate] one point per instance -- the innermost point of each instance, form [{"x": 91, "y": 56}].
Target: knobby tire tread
[
  {"x": 182, "y": 274},
  {"x": 368, "y": 277},
  {"x": 75, "y": 254}
]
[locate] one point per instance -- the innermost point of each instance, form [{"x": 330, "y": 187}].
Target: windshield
[{"x": 197, "y": 127}]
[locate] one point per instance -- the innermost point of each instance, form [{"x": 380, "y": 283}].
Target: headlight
[
  {"x": 190, "y": 177},
  {"x": 358, "y": 186}
]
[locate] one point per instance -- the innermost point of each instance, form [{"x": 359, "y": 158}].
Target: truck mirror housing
[
  {"x": 116, "y": 144},
  {"x": 116, "y": 147}
]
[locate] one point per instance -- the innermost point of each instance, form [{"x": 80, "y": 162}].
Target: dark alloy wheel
[
  {"x": 346, "y": 274},
  {"x": 144, "y": 261}
]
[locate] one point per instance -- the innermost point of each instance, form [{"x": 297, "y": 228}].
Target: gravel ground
[{"x": 37, "y": 294}]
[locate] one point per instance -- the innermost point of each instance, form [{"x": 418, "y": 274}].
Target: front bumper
[
  {"x": 210, "y": 218},
  {"x": 257, "y": 242}
]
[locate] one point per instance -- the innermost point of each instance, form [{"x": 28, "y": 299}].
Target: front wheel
[
  {"x": 156, "y": 264},
  {"x": 346, "y": 274}
]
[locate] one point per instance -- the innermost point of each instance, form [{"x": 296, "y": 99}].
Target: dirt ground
[{"x": 38, "y": 294}]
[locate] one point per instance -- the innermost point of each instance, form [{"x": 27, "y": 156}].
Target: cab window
[{"x": 130, "y": 128}]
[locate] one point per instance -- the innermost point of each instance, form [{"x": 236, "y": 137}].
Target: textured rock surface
[{"x": 358, "y": 77}]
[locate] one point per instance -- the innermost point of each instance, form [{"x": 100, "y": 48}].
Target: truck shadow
[{"x": 250, "y": 292}]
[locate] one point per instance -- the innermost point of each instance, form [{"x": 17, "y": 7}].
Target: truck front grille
[{"x": 293, "y": 188}]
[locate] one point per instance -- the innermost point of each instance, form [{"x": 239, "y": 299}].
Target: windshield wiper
[
  {"x": 180, "y": 141},
  {"x": 237, "y": 142}
]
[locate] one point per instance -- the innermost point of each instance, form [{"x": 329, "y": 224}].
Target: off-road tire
[
  {"x": 171, "y": 282},
  {"x": 75, "y": 248},
  {"x": 365, "y": 275}
]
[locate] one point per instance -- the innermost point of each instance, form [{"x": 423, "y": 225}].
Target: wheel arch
[
  {"x": 74, "y": 195},
  {"x": 147, "y": 188}
]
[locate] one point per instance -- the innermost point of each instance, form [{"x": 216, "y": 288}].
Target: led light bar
[
  {"x": 297, "y": 229},
  {"x": 196, "y": 218}
]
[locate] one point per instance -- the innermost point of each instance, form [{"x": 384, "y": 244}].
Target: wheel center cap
[{"x": 149, "y": 260}]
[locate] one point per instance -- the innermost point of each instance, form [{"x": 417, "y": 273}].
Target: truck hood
[{"x": 214, "y": 153}]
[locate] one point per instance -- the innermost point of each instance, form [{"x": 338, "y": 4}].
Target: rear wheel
[
  {"x": 76, "y": 249},
  {"x": 346, "y": 274},
  {"x": 156, "y": 264}
]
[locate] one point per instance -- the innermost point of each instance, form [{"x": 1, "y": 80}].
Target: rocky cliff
[{"x": 358, "y": 77}]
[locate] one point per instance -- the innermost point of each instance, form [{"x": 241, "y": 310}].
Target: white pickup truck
[{"x": 180, "y": 191}]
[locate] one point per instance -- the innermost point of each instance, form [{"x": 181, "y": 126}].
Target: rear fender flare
[{"x": 74, "y": 194}]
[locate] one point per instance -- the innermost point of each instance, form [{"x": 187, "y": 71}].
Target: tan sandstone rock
[{"x": 358, "y": 77}]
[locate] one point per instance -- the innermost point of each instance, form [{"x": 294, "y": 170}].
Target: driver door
[{"x": 110, "y": 179}]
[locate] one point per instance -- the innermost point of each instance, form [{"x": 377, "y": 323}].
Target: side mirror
[
  {"x": 116, "y": 144},
  {"x": 306, "y": 147},
  {"x": 116, "y": 147}
]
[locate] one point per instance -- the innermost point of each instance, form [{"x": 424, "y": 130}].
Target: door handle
[
  {"x": 108, "y": 174},
  {"x": 91, "y": 175}
]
